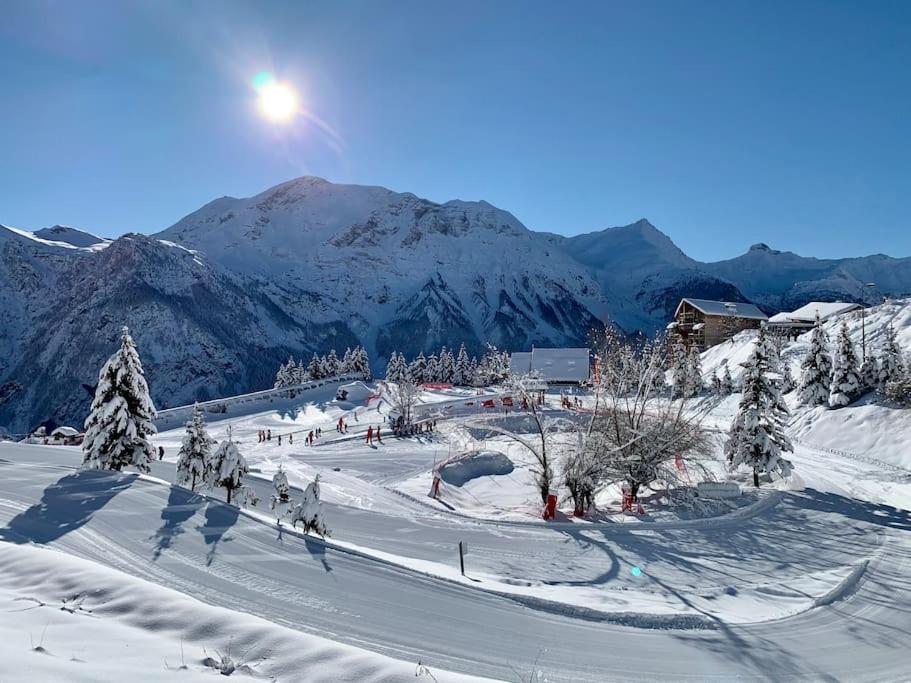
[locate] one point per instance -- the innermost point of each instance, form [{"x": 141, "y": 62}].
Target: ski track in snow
[{"x": 858, "y": 631}]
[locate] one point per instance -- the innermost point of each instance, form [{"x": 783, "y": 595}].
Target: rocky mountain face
[{"x": 219, "y": 299}]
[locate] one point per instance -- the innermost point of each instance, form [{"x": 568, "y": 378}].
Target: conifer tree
[
  {"x": 120, "y": 421},
  {"x": 891, "y": 364},
  {"x": 816, "y": 370},
  {"x": 332, "y": 364},
  {"x": 228, "y": 467},
  {"x": 361, "y": 362},
  {"x": 418, "y": 369},
  {"x": 280, "y": 502},
  {"x": 787, "y": 377},
  {"x": 315, "y": 367},
  {"x": 462, "y": 368},
  {"x": 846, "y": 384},
  {"x": 869, "y": 373},
  {"x": 727, "y": 382},
  {"x": 446, "y": 366},
  {"x": 694, "y": 383},
  {"x": 195, "y": 454},
  {"x": 432, "y": 373},
  {"x": 679, "y": 371},
  {"x": 472, "y": 378},
  {"x": 347, "y": 362},
  {"x": 756, "y": 437},
  {"x": 716, "y": 383},
  {"x": 309, "y": 512}
]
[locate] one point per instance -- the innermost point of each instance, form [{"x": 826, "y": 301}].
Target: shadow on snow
[{"x": 66, "y": 505}]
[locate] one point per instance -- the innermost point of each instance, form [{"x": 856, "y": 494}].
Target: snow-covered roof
[
  {"x": 520, "y": 363},
  {"x": 726, "y": 308},
  {"x": 65, "y": 431},
  {"x": 808, "y": 313},
  {"x": 554, "y": 365}
]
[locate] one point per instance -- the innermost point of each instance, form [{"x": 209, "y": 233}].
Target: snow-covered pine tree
[
  {"x": 891, "y": 364},
  {"x": 280, "y": 502},
  {"x": 120, "y": 420},
  {"x": 432, "y": 373},
  {"x": 716, "y": 383},
  {"x": 679, "y": 371},
  {"x": 869, "y": 373},
  {"x": 301, "y": 375},
  {"x": 195, "y": 454},
  {"x": 361, "y": 362},
  {"x": 347, "y": 362},
  {"x": 418, "y": 369},
  {"x": 228, "y": 467},
  {"x": 281, "y": 376},
  {"x": 333, "y": 366},
  {"x": 816, "y": 370},
  {"x": 309, "y": 512},
  {"x": 447, "y": 366},
  {"x": 694, "y": 382},
  {"x": 315, "y": 368},
  {"x": 846, "y": 384},
  {"x": 462, "y": 370},
  {"x": 472, "y": 378},
  {"x": 787, "y": 377},
  {"x": 392, "y": 368},
  {"x": 757, "y": 438},
  {"x": 727, "y": 382}
]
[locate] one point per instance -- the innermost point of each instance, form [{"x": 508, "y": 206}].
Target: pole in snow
[{"x": 463, "y": 548}]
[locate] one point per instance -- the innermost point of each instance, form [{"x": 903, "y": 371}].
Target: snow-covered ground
[{"x": 808, "y": 579}]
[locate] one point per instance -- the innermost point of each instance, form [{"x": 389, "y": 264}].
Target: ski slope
[{"x": 206, "y": 549}]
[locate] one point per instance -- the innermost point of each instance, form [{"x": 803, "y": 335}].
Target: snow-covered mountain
[
  {"x": 406, "y": 273},
  {"x": 217, "y": 300}
]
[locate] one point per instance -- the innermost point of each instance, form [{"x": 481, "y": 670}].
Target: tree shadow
[
  {"x": 219, "y": 518},
  {"x": 66, "y": 505},
  {"x": 182, "y": 504},
  {"x": 317, "y": 550},
  {"x": 860, "y": 510}
]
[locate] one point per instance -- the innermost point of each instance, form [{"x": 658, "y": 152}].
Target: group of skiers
[
  {"x": 399, "y": 428},
  {"x": 266, "y": 435}
]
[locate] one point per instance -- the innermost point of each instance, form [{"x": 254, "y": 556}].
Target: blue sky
[{"x": 724, "y": 123}]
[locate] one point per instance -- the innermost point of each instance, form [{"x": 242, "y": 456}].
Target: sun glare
[{"x": 277, "y": 101}]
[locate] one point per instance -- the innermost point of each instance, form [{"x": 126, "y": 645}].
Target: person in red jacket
[{"x": 370, "y": 435}]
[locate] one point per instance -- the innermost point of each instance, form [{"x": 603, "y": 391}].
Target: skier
[
  {"x": 279, "y": 439},
  {"x": 310, "y": 437},
  {"x": 291, "y": 438},
  {"x": 269, "y": 435},
  {"x": 378, "y": 438},
  {"x": 370, "y": 435},
  {"x": 161, "y": 452}
]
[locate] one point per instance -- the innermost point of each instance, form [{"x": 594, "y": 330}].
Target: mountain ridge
[{"x": 223, "y": 295}]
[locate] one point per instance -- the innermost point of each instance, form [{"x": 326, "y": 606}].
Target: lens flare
[
  {"x": 635, "y": 571},
  {"x": 277, "y": 102},
  {"x": 262, "y": 79}
]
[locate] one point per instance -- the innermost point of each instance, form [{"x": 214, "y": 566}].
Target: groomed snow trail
[{"x": 206, "y": 549}]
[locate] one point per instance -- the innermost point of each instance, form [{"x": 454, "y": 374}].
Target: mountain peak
[{"x": 762, "y": 246}]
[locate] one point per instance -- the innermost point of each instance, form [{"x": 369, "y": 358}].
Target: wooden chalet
[{"x": 706, "y": 323}]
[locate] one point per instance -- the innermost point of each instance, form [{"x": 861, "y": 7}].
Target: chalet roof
[
  {"x": 64, "y": 431},
  {"x": 728, "y": 309},
  {"x": 807, "y": 313}
]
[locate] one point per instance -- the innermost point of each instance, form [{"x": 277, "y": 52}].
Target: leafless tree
[{"x": 635, "y": 435}]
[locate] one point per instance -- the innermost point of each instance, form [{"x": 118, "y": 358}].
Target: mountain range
[{"x": 219, "y": 299}]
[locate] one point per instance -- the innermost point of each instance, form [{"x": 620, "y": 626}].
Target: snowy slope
[{"x": 869, "y": 428}]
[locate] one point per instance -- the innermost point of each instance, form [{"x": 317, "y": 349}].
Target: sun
[{"x": 277, "y": 101}]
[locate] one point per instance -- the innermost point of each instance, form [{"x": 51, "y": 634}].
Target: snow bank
[
  {"x": 474, "y": 465},
  {"x": 96, "y": 624}
]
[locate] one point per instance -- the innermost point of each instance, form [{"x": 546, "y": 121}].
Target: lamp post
[{"x": 863, "y": 320}]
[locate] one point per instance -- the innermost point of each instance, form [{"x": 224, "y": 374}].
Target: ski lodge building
[
  {"x": 706, "y": 323},
  {"x": 555, "y": 366},
  {"x": 804, "y": 318}
]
